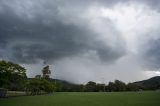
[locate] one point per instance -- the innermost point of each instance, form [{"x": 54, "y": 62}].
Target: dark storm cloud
[
  {"x": 33, "y": 31},
  {"x": 93, "y": 39},
  {"x": 151, "y": 54}
]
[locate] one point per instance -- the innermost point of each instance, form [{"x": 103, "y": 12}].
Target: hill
[{"x": 149, "y": 84}]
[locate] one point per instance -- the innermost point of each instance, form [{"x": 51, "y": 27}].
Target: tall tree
[{"x": 46, "y": 72}]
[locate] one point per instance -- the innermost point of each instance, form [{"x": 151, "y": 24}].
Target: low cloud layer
[{"x": 108, "y": 38}]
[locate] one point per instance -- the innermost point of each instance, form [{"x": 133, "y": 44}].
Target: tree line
[
  {"x": 116, "y": 86},
  {"x": 13, "y": 77}
]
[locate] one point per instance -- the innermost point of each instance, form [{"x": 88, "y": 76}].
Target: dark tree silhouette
[
  {"x": 46, "y": 72},
  {"x": 12, "y": 75},
  {"x": 91, "y": 86}
]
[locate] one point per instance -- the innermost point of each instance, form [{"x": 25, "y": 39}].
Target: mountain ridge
[{"x": 149, "y": 84}]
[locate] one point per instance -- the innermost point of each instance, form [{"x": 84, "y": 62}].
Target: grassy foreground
[{"x": 150, "y": 98}]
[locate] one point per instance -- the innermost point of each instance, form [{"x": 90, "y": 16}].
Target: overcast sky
[{"x": 83, "y": 40}]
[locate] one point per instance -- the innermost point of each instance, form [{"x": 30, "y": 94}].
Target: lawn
[{"x": 149, "y": 98}]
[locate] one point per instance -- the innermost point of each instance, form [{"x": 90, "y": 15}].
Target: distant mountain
[
  {"x": 59, "y": 81},
  {"x": 149, "y": 84}
]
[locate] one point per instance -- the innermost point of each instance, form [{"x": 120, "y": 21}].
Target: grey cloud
[
  {"x": 153, "y": 4},
  {"x": 39, "y": 33},
  {"x": 151, "y": 54},
  {"x": 63, "y": 33}
]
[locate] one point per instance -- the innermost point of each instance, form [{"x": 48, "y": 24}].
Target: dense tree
[
  {"x": 47, "y": 86},
  {"x": 111, "y": 87},
  {"x": 12, "y": 75},
  {"x": 33, "y": 87},
  {"x": 90, "y": 86},
  {"x": 120, "y": 86},
  {"x": 117, "y": 86},
  {"x": 59, "y": 87},
  {"x": 36, "y": 86}
]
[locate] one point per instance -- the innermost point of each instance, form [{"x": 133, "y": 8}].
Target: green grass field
[{"x": 150, "y": 98}]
